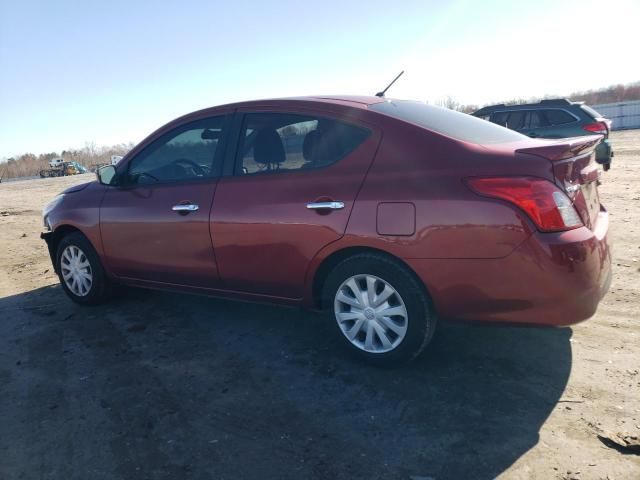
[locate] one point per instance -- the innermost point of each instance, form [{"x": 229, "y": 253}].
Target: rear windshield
[
  {"x": 592, "y": 113},
  {"x": 448, "y": 122}
]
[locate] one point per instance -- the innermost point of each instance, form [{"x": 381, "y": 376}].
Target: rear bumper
[{"x": 551, "y": 279}]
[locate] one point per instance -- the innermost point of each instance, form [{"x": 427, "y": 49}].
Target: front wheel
[
  {"x": 381, "y": 311},
  {"x": 80, "y": 271}
]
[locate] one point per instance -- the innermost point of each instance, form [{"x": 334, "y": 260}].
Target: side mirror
[{"x": 106, "y": 174}]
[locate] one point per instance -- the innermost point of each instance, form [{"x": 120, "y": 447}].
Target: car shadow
[{"x": 163, "y": 385}]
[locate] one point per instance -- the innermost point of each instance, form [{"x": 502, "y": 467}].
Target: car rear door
[
  {"x": 296, "y": 175},
  {"x": 155, "y": 221}
]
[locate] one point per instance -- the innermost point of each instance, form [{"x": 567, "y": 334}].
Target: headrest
[
  {"x": 309, "y": 144},
  {"x": 267, "y": 147}
]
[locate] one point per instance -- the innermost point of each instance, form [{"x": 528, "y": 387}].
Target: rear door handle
[
  {"x": 185, "y": 208},
  {"x": 325, "y": 205}
]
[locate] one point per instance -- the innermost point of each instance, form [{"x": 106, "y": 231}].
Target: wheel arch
[
  {"x": 322, "y": 271},
  {"x": 57, "y": 235}
]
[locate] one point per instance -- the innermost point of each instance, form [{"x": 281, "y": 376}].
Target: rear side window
[
  {"x": 460, "y": 126},
  {"x": 277, "y": 142},
  {"x": 558, "y": 117},
  {"x": 536, "y": 119}
]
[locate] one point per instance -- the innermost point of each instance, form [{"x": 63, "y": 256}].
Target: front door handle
[
  {"x": 325, "y": 205},
  {"x": 185, "y": 208}
]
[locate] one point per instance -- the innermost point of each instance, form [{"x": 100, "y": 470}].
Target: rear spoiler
[{"x": 564, "y": 148}]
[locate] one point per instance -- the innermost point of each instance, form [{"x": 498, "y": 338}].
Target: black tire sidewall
[
  {"x": 422, "y": 321},
  {"x": 99, "y": 284}
]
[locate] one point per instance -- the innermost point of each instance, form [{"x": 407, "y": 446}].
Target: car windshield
[{"x": 460, "y": 126}]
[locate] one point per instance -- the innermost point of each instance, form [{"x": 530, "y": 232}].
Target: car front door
[
  {"x": 155, "y": 221},
  {"x": 296, "y": 176}
]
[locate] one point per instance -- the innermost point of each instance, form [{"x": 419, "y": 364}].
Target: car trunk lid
[{"x": 575, "y": 171}]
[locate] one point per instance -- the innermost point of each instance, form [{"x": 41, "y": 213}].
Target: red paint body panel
[
  {"x": 551, "y": 279},
  {"x": 144, "y": 239},
  {"x": 480, "y": 259},
  {"x": 81, "y": 210},
  {"x": 263, "y": 233},
  {"x": 396, "y": 218}
]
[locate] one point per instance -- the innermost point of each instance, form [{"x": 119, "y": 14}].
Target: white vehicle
[{"x": 56, "y": 162}]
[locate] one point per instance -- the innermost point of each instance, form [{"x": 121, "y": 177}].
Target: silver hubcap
[
  {"x": 76, "y": 270},
  {"x": 371, "y": 313}
]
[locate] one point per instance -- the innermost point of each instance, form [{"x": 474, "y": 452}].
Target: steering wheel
[{"x": 197, "y": 169}]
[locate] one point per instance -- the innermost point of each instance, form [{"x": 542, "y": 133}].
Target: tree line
[{"x": 90, "y": 156}]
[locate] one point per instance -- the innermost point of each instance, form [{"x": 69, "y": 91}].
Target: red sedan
[{"x": 387, "y": 214}]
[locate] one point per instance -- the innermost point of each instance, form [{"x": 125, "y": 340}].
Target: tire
[
  {"x": 410, "y": 321},
  {"x": 97, "y": 289}
]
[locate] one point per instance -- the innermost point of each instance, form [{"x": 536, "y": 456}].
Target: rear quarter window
[
  {"x": 558, "y": 117},
  {"x": 590, "y": 111},
  {"x": 460, "y": 126}
]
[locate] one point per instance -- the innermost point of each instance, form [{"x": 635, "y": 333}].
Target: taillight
[
  {"x": 600, "y": 128},
  {"x": 547, "y": 205}
]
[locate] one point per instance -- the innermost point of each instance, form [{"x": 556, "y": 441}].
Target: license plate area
[{"x": 592, "y": 201}]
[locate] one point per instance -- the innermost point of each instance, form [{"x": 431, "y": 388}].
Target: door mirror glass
[{"x": 106, "y": 174}]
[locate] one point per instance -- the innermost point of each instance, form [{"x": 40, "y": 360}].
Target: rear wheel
[
  {"x": 381, "y": 311},
  {"x": 80, "y": 271}
]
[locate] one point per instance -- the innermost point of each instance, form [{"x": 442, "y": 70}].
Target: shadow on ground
[{"x": 160, "y": 385}]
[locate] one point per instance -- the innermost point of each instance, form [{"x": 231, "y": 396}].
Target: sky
[{"x": 109, "y": 72}]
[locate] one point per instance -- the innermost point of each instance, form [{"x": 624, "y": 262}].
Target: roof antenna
[{"x": 381, "y": 94}]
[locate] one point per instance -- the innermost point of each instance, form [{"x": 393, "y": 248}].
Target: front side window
[
  {"x": 516, "y": 119},
  {"x": 277, "y": 142},
  {"x": 190, "y": 152},
  {"x": 500, "y": 118}
]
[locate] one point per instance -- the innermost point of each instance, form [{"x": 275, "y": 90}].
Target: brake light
[
  {"x": 600, "y": 128},
  {"x": 548, "y": 206}
]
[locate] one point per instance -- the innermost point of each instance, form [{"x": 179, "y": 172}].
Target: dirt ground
[{"x": 160, "y": 385}]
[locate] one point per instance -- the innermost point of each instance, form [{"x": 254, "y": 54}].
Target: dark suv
[{"x": 559, "y": 118}]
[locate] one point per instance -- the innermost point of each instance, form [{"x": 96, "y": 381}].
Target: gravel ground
[{"x": 160, "y": 385}]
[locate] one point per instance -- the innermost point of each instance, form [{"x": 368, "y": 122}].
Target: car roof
[
  {"x": 547, "y": 103},
  {"x": 355, "y": 101},
  {"x": 351, "y": 101}
]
